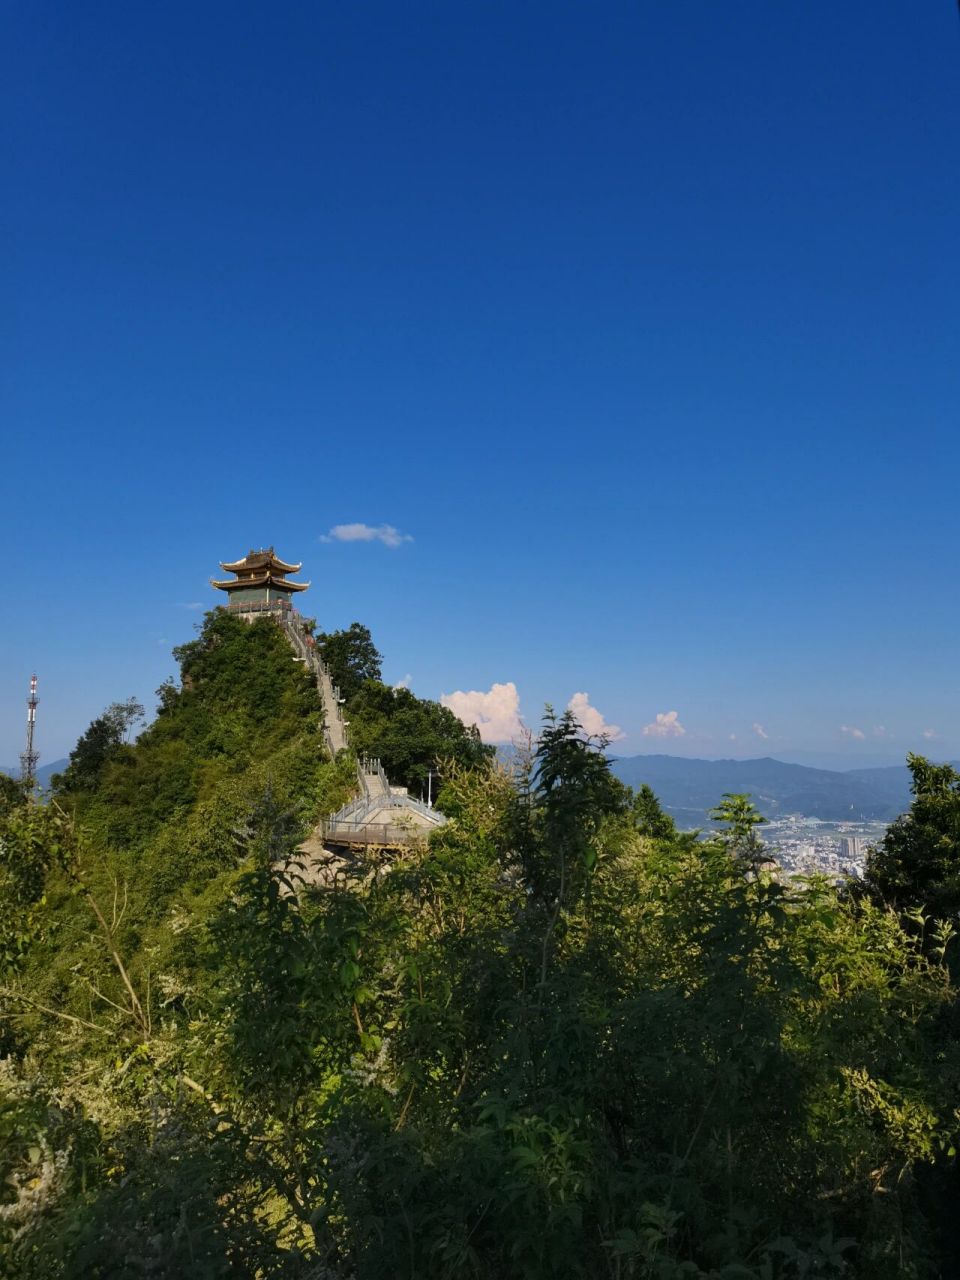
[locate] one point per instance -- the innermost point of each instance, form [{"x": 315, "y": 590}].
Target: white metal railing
[
  {"x": 292, "y": 624},
  {"x": 386, "y": 834},
  {"x": 361, "y": 807},
  {"x": 417, "y": 806},
  {"x": 370, "y": 767},
  {"x": 351, "y": 823},
  {"x": 354, "y": 807}
]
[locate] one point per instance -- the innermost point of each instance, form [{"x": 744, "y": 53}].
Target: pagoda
[{"x": 260, "y": 583}]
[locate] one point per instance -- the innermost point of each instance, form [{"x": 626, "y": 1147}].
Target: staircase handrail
[
  {"x": 354, "y": 815},
  {"x": 360, "y": 808},
  {"x": 418, "y": 806},
  {"x": 332, "y": 711},
  {"x": 381, "y": 774}
]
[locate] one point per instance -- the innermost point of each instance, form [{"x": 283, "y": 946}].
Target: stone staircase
[
  {"x": 334, "y": 725},
  {"x": 380, "y": 815}
]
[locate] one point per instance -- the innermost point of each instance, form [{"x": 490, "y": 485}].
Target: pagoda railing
[{"x": 259, "y": 606}]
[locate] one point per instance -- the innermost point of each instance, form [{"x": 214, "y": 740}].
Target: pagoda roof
[
  {"x": 265, "y": 558},
  {"x": 263, "y": 579}
]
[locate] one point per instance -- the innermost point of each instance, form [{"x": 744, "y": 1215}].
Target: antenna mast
[{"x": 29, "y": 758}]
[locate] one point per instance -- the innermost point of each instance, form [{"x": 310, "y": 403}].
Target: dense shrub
[{"x": 562, "y": 1039}]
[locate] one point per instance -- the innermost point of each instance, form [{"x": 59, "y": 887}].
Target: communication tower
[{"x": 29, "y": 758}]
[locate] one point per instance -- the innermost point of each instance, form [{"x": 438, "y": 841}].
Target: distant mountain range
[
  {"x": 44, "y": 773},
  {"x": 688, "y": 789}
]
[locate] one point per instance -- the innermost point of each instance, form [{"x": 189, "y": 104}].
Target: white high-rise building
[{"x": 852, "y": 847}]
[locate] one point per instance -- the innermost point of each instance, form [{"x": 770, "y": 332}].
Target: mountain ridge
[
  {"x": 44, "y": 773},
  {"x": 689, "y": 787}
]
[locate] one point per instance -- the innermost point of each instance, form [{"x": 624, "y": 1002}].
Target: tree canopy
[
  {"x": 560, "y": 1039},
  {"x": 98, "y": 745},
  {"x": 917, "y": 863},
  {"x": 411, "y": 735},
  {"x": 351, "y": 657}
]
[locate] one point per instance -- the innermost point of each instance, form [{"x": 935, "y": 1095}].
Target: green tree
[
  {"x": 30, "y": 844},
  {"x": 573, "y": 793},
  {"x": 410, "y": 735},
  {"x": 13, "y": 793},
  {"x": 98, "y": 745},
  {"x": 650, "y": 818},
  {"x": 351, "y": 657},
  {"x": 916, "y": 865},
  {"x": 741, "y": 818}
]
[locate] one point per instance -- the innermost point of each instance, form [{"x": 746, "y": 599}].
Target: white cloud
[
  {"x": 496, "y": 713},
  {"x": 929, "y": 734},
  {"x": 385, "y": 533},
  {"x": 194, "y": 604},
  {"x": 405, "y": 682},
  {"x": 879, "y": 730},
  {"x": 850, "y": 732},
  {"x": 666, "y": 725},
  {"x": 592, "y": 721},
  {"x": 760, "y": 731},
  {"x": 732, "y": 737}
]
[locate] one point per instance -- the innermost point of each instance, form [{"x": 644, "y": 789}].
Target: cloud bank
[
  {"x": 760, "y": 731},
  {"x": 850, "y": 732},
  {"x": 666, "y": 725},
  {"x": 496, "y": 713},
  {"x": 385, "y": 533},
  {"x": 592, "y": 720}
]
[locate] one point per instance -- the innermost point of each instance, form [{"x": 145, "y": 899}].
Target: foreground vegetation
[{"x": 562, "y": 1040}]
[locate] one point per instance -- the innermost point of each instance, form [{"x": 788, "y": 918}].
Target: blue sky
[{"x": 638, "y": 320}]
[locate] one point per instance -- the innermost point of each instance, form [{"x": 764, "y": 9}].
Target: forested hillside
[{"x": 562, "y": 1039}]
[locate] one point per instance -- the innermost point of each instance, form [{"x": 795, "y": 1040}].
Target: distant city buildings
[
  {"x": 853, "y": 847},
  {"x": 809, "y": 846}
]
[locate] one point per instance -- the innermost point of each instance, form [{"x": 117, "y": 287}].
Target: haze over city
[{"x": 602, "y": 363}]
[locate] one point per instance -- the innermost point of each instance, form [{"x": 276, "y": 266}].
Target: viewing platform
[{"x": 381, "y": 816}]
